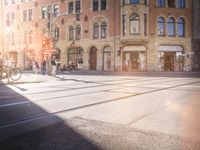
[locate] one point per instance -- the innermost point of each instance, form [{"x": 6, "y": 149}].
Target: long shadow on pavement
[{"x": 28, "y": 126}]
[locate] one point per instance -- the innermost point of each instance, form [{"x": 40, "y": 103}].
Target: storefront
[
  {"x": 75, "y": 57},
  {"x": 134, "y": 58},
  {"x": 170, "y": 58}
]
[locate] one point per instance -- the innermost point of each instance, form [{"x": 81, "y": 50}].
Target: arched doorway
[
  {"x": 93, "y": 58},
  {"x": 107, "y": 58}
]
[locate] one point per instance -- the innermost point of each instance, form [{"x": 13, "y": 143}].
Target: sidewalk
[
  {"x": 134, "y": 73},
  {"x": 29, "y": 77}
]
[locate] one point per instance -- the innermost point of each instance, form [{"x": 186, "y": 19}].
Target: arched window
[
  {"x": 96, "y": 31},
  {"x": 134, "y": 23},
  {"x": 171, "y": 26},
  {"x": 134, "y": 1},
  {"x": 161, "y": 26},
  {"x": 78, "y": 32},
  {"x": 56, "y": 34},
  {"x": 181, "y": 27},
  {"x": 181, "y": 3},
  {"x": 160, "y": 3},
  {"x": 103, "y": 30},
  {"x": 71, "y": 33}
]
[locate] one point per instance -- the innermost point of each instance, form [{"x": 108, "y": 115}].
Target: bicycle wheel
[{"x": 15, "y": 74}]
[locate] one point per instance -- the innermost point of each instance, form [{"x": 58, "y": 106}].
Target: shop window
[
  {"x": 181, "y": 27},
  {"x": 70, "y": 7},
  {"x": 160, "y": 26},
  {"x": 96, "y": 31},
  {"x": 171, "y": 26},
  {"x": 134, "y": 24},
  {"x": 71, "y": 33},
  {"x": 181, "y": 3},
  {"x": 103, "y": 30},
  {"x": 95, "y": 5},
  {"x": 78, "y": 32},
  {"x": 75, "y": 57},
  {"x": 12, "y": 17},
  {"x": 160, "y": 3}
]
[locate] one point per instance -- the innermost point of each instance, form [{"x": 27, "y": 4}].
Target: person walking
[
  {"x": 53, "y": 64},
  {"x": 44, "y": 64}
]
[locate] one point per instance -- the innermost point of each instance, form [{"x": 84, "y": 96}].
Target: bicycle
[{"x": 11, "y": 71}]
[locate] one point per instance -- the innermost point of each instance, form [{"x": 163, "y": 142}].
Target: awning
[
  {"x": 170, "y": 48},
  {"x": 134, "y": 48}
]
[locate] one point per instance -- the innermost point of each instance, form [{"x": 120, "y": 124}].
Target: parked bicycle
[{"x": 10, "y": 71}]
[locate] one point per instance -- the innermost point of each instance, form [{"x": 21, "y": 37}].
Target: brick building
[{"x": 100, "y": 34}]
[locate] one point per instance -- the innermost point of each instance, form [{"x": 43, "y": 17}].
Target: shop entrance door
[
  {"x": 93, "y": 58},
  {"x": 134, "y": 60},
  {"x": 169, "y": 61}
]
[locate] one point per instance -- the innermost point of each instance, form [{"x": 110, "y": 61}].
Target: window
[
  {"x": 103, "y": 4},
  {"x": 44, "y": 12},
  {"x": 95, "y": 5},
  {"x": 56, "y": 10},
  {"x": 181, "y": 27},
  {"x": 134, "y": 1},
  {"x": 25, "y": 37},
  {"x": 24, "y": 15},
  {"x": 181, "y": 3},
  {"x": 30, "y": 14},
  {"x": 145, "y": 24},
  {"x": 123, "y": 24},
  {"x": 171, "y": 3},
  {"x": 12, "y": 17},
  {"x": 160, "y": 3},
  {"x": 78, "y": 32},
  {"x": 103, "y": 30},
  {"x": 13, "y": 38},
  {"x": 134, "y": 24},
  {"x": 6, "y": 2},
  {"x": 30, "y": 37},
  {"x": 71, "y": 33},
  {"x": 160, "y": 26},
  {"x": 75, "y": 56},
  {"x": 171, "y": 27},
  {"x": 78, "y": 6},
  {"x": 70, "y": 7},
  {"x": 13, "y": 1},
  {"x": 56, "y": 34},
  {"x": 95, "y": 31}
]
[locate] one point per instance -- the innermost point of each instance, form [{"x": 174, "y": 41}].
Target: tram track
[{"x": 32, "y": 118}]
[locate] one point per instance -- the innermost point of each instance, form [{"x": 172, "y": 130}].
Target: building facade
[
  {"x": 108, "y": 35},
  {"x": 196, "y": 35}
]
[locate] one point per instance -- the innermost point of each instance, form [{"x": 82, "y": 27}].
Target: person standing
[
  {"x": 44, "y": 64},
  {"x": 53, "y": 64}
]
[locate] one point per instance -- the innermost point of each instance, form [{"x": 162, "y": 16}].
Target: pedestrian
[
  {"x": 44, "y": 64},
  {"x": 53, "y": 64},
  {"x": 37, "y": 67}
]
